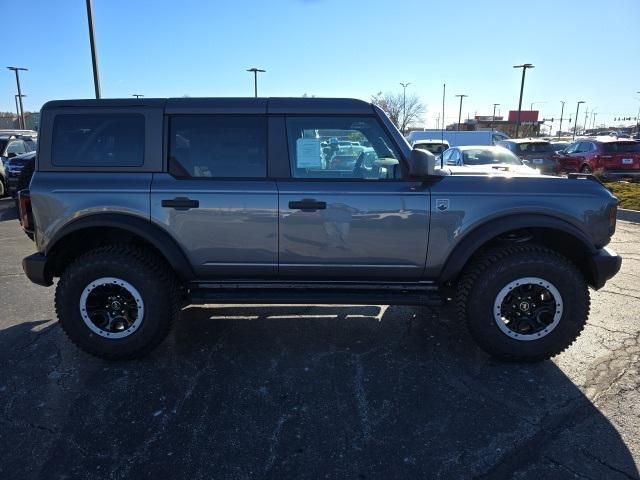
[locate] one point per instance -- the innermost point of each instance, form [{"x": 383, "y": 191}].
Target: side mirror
[
  {"x": 421, "y": 163},
  {"x": 12, "y": 154}
]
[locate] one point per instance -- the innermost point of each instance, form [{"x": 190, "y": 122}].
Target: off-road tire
[
  {"x": 491, "y": 271},
  {"x": 139, "y": 267}
]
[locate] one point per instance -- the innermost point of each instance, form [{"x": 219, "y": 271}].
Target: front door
[
  {"x": 216, "y": 200},
  {"x": 348, "y": 212}
]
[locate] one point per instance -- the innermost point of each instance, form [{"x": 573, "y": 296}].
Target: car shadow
[{"x": 298, "y": 392}]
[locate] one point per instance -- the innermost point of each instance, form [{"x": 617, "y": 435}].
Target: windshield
[
  {"x": 3, "y": 144},
  {"x": 435, "y": 148},
  {"x": 537, "y": 147},
  {"x": 621, "y": 147},
  {"x": 489, "y": 157}
]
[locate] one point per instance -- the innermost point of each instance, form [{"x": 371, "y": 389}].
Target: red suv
[{"x": 616, "y": 158}]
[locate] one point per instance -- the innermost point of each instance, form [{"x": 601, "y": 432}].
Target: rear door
[
  {"x": 216, "y": 198},
  {"x": 363, "y": 220}
]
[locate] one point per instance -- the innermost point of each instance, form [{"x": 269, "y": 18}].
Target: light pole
[
  {"x": 561, "y": 114},
  {"x": 404, "y": 104},
  {"x": 638, "y": 120},
  {"x": 18, "y": 108},
  {"x": 137, "y": 95},
  {"x": 21, "y": 116},
  {"x": 575, "y": 125},
  {"x": 255, "y": 79},
  {"x": 460, "y": 111},
  {"x": 586, "y": 116},
  {"x": 94, "y": 55},
  {"x": 493, "y": 117},
  {"x": 524, "y": 67}
]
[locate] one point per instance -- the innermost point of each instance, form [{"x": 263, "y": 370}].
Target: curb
[{"x": 629, "y": 215}]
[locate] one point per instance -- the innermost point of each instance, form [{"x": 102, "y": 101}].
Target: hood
[{"x": 494, "y": 169}]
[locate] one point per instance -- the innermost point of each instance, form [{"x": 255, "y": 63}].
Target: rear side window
[
  {"x": 98, "y": 140},
  {"x": 537, "y": 147},
  {"x": 218, "y": 146},
  {"x": 621, "y": 147}
]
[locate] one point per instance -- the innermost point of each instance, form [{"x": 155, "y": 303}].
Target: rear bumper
[
  {"x": 605, "y": 263},
  {"x": 34, "y": 267}
]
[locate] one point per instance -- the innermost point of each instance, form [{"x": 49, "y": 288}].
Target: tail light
[{"x": 26, "y": 215}]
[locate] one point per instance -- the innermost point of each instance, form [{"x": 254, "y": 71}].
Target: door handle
[
  {"x": 307, "y": 205},
  {"x": 181, "y": 203}
]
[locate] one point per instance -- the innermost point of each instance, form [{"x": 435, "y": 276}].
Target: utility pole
[
  {"x": 575, "y": 125},
  {"x": 94, "y": 55},
  {"x": 460, "y": 111},
  {"x": 524, "y": 67},
  {"x": 21, "y": 114},
  {"x": 561, "y": 114},
  {"x": 404, "y": 105},
  {"x": 255, "y": 79},
  {"x": 493, "y": 117},
  {"x": 438, "y": 122},
  {"x": 586, "y": 116}
]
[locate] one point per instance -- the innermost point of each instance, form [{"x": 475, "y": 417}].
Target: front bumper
[
  {"x": 605, "y": 263},
  {"x": 35, "y": 267},
  {"x": 621, "y": 173}
]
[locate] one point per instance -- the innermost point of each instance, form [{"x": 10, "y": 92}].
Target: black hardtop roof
[{"x": 282, "y": 105}]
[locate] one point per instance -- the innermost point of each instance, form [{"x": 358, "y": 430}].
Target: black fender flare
[
  {"x": 480, "y": 235},
  {"x": 141, "y": 227}
]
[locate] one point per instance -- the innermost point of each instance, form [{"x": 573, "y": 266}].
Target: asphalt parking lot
[{"x": 316, "y": 392}]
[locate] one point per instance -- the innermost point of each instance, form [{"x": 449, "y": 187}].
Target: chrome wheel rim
[
  {"x": 111, "y": 307},
  {"x": 528, "y": 308}
]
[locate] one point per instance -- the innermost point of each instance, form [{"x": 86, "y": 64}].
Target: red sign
[{"x": 525, "y": 115}]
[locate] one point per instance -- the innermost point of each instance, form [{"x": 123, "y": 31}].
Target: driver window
[{"x": 341, "y": 147}]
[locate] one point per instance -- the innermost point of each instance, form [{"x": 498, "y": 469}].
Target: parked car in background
[
  {"x": 434, "y": 146},
  {"x": 480, "y": 159},
  {"x": 13, "y": 143},
  {"x": 15, "y": 167},
  {"x": 535, "y": 153},
  {"x": 457, "y": 139},
  {"x": 612, "y": 157}
]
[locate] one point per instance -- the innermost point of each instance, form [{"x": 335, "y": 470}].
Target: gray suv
[{"x": 140, "y": 207}]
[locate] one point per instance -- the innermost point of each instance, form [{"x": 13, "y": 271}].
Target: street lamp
[
  {"x": 137, "y": 95},
  {"x": 460, "y": 111},
  {"x": 493, "y": 117},
  {"x": 534, "y": 103},
  {"x": 17, "y": 107},
  {"x": 404, "y": 104},
  {"x": 575, "y": 125},
  {"x": 21, "y": 114},
  {"x": 94, "y": 55},
  {"x": 524, "y": 67},
  {"x": 561, "y": 114},
  {"x": 255, "y": 79}
]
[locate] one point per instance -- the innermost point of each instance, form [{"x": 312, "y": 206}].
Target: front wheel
[
  {"x": 586, "y": 169},
  {"x": 117, "y": 301},
  {"x": 523, "y": 303}
]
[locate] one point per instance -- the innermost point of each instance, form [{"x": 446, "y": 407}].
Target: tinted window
[
  {"x": 537, "y": 147},
  {"x": 316, "y": 151},
  {"x": 584, "y": 147},
  {"x": 218, "y": 146},
  {"x": 98, "y": 140},
  {"x": 621, "y": 147}
]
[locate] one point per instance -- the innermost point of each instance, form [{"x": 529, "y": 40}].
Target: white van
[{"x": 458, "y": 139}]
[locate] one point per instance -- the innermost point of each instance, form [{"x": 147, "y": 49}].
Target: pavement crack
[{"x": 275, "y": 442}]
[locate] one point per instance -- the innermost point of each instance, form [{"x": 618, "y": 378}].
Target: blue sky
[{"x": 582, "y": 50}]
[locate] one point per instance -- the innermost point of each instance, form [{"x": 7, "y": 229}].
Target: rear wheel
[
  {"x": 586, "y": 169},
  {"x": 117, "y": 301},
  {"x": 523, "y": 303}
]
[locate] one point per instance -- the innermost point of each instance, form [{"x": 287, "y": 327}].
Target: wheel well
[
  {"x": 555, "y": 239},
  {"x": 78, "y": 242}
]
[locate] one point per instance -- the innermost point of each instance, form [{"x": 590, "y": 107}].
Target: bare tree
[{"x": 401, "y": 114}]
